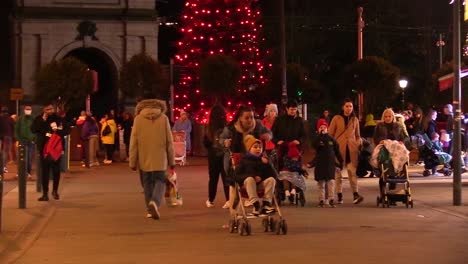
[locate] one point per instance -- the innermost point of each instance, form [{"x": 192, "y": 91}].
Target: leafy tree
[
  {"x": 66, "y": 82},
  {"x": 376, "y": 78},
  {"x": 143, "y": 74},
  {"x": 219, "y": 76}
]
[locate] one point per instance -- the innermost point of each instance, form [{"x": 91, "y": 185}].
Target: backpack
[
  {"x": 53, "y": 148},
  {"x": 107, "y": 130}
]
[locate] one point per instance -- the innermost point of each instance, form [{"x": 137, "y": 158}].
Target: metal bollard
[
  {"x": 38, "y": 171},
  {"x": 22, "y": 154}
]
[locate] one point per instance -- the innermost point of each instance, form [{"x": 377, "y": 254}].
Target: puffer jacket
[
  {"x": 151, "y": 142},
  {"x": 110, "y": 138}
]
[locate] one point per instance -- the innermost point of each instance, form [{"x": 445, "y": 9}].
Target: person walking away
[
  {"x": 216, "y": 123},
  {"x": 25, "y": 136},
  {"x": 152, "y": 151},
  {"x": 90, "y": 135},
  {"x": 45, "y": 126},
  {"x": 108, "y": 130},
  {"x": 326, "y": 162},
  {"x": 344, "y": 128},
  {"x": 184, "y": 124}
]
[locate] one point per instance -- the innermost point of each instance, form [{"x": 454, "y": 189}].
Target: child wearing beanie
[
  {"x": 327, "y": 160},
  {"x": 255, "y": 172}
]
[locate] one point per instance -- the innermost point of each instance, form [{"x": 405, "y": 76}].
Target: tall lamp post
[{"x": 403, "y": 84}]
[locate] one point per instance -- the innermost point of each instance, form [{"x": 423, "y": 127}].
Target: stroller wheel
[
  {"x": 278, "y": 227},
  {"x": 426, "y": 173},
  {"x": 232, "y": 225},
  {"x": 284, "y": 227},
  {"x": 447, "y": 172},
  {"x": 265, "y": 224},
  {"x": 272, "y": 224}
]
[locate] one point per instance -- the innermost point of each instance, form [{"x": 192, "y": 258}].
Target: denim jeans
[
  {"x": 154, "y": 186},
  {"x": 30, "y": 148}
]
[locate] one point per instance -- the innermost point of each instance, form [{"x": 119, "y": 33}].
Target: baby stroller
[
  {"x": 180, "y": 153},
  {"x": 292, "y": 172},
  {"x": 431, "y": 158},
  {"x": 391, "y": 158},
  {"x": 239, "y": 221}
]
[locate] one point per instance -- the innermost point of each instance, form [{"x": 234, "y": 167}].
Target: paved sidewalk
[{"x": 101, "y": 219}]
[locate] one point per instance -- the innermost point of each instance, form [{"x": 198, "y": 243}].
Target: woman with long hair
[
  {"x": 344, "y": 128},
  {"x": 216, "y": 123}
]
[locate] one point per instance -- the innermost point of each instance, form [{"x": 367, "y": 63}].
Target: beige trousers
[{"x": 351, "y": 177}]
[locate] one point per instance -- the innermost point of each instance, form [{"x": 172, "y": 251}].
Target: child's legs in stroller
[
  {"x": 251, "y": 188},
  {"x": 268, "y": 185}
]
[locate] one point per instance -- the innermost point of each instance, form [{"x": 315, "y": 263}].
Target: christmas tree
[{"x": 210, "y": 27}]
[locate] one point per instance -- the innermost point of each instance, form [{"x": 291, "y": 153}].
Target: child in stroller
[
  {"x": 291, "y": 175},
  {"x": 253, "y": 172},
  {"x": 433, "y": 156}
]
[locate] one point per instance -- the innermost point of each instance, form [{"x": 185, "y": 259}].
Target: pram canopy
[{"x": 390, "y": 150}]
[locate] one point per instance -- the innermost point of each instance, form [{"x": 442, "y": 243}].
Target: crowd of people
[{"x": 268, "y": 146}]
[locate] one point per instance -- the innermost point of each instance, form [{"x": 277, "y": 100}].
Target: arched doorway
[{"x": 106, "y": 97}]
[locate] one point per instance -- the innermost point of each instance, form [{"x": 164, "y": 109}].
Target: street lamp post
[{"x": 403, "y": 84}]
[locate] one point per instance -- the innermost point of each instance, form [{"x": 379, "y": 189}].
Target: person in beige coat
[
  {"x": 152, "y": 151},
  {"x": 345, "y": 129}
]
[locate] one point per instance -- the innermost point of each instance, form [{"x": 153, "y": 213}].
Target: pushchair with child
[
  {"x": 239, "y": 220},
  {"x": 291, "y": 183},
  {"x": 180, "y": 145},
  {"x": 390, "y": 159},
  {"x": 432, "y": 159}
]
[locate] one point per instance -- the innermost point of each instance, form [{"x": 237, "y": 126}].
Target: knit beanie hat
[
  {"x": 321, "y": 122},
  {"x": 293, "y": 151},
  {"x": 269, "y": 108},
  {"x": 249, "y": 141}
]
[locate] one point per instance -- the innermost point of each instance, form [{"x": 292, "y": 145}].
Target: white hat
[{"x": 269, "y": 108}]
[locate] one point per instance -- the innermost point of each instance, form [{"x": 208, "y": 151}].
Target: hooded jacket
[{"x": 151, "y": 143}]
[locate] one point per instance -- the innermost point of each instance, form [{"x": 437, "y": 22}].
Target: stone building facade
[{"x": 103, "y": 33}]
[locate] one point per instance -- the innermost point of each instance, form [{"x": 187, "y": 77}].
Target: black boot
[
  {"x": 44, "y": 198},
  {"x": 340, "y": 198},
  {"x": 55, "y": 195}
]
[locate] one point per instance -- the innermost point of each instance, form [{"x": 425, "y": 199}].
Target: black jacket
[
  {"x": 328, "y": 157},
  {"x": 41, "y": 128},
  {"x": 251, "y": 166},
  {"x": 288, "y": 128}
]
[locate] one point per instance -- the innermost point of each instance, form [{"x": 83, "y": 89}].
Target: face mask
[{"x": 27, "y": 112}]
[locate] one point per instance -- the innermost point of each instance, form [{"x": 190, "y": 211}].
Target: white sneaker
[
  {"x": 148, "y": 215},
  {"x": 293, "y": 192},
  {"x": 227, "y": 205},
  {"x": 107, "y": 161},
  {"x": 153, "y": 210},
  {"x": 287, "y": 193},
  {"x": 209, "y": 204}
]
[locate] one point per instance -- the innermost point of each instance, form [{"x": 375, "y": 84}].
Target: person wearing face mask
[
  {"x": 25, "y": 136},
  {"x": 327, "y": 160}
]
